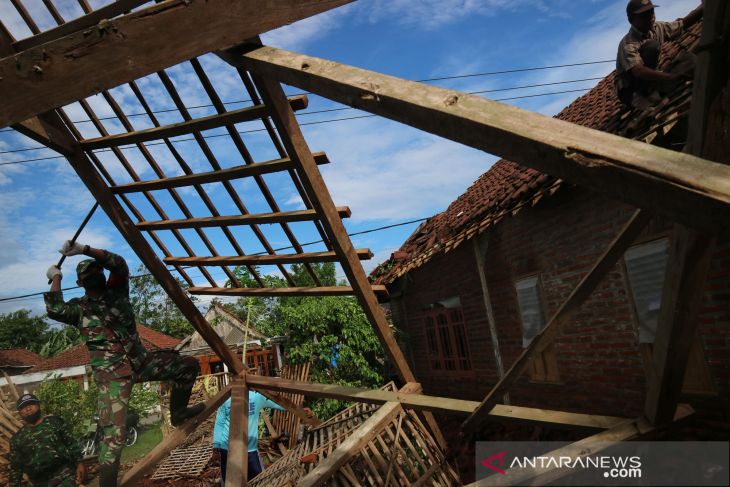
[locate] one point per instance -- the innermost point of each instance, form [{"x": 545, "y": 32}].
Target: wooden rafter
[
  {"x": 237, "y": 468},
  {"x": 248, "y": 170},
  {"x": 422, "y": 402},
  {"x": 205, "y": 123},
  {"x": 311, "y": 257},
  {"x": 678, "y": 186},
  {"x": 283, "y": 291},
  {"x": 690, "y": 251},
  {"x": 132, "y": 46},
  {"x": 547, "y": 334}
]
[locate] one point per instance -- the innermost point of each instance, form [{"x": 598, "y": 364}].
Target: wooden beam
[
  {"x": 310, "y": 257},
  {"x": 117, "y": 51},
  {"x": 43, "y": 133},
  {"x": 346, "y": 450},
  {"x": 679, "y": 187},
  {"x": 282, "y": 291},
  {"x": 170, "y": 442},
  {"x": 237, "y": 467},
  {"x": 246, "y": 114},
  {"x": 102, "y": 14},
  {"x": 541, "y": 475},
  {"x": 246, "y": 170},
  {"x": 585, "y": 287},
  {"x": 690, "y": 252},
  {"x": 365, "y": 433},
  {"x": 423, "y": 402},
  {"x": 250, "y": 219}
]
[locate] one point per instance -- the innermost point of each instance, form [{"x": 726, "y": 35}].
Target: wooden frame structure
[{"x": 114, "y": 48}]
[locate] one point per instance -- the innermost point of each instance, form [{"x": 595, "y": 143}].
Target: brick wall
[{"x": 600, "y": 367}]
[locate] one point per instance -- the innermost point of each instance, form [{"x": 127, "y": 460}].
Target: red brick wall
[{"x": 600, "y": 367}]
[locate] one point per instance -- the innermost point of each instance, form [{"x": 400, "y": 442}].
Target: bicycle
[{"x": 90, "y": 443}]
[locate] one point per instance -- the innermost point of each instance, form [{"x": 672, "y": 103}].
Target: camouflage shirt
[
  {"x": 42, "y": 452},
  {"x": 106, "y": 323}
]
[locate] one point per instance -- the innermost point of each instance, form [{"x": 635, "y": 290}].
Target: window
[
  {"x": 646, "y": 266},
  {"x": 446, "y": 341},
  {"x": 544, "y": 367}
]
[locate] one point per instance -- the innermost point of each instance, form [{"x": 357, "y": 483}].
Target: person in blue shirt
[{"x": 256, "y": 402}]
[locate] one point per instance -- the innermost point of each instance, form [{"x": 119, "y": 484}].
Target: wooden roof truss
[{"x": 128, "y": 57}]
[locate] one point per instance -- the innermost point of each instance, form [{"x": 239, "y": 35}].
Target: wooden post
[
  {"x": 605, "y": 263},
  {"x": 480, "y": 251},
  {"x": 237, "y": 468},
  {"x": 690, "y": 251}
]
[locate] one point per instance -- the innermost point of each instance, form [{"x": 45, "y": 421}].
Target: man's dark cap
[
  {"x": 88, "y": 265},
  {"x": 26, "y": 399},
  {"x": 639, "y": 7}
]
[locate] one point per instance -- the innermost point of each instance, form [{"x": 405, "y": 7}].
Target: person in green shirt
[{"x": 43, "y": 449}]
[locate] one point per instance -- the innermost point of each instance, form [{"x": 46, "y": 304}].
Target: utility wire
[
  {"x": 212, "y": 136},
  {"x": 362, "y": 232},
  {"x": 426, "y": 80}
]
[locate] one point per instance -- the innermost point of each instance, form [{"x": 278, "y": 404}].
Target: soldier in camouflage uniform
[
  {"x": 43, "y": 449},
  {"x": 105, "y": 318}
]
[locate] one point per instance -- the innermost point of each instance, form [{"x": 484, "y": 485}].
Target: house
[
  {"x": 263, "y": 354},
  {"x": 14, "y": 361},
  {"x": 73, "y": 364},
  {"x": 515, "y": 245}
]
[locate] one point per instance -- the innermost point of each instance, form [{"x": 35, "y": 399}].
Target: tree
[
  {"x": 154, "y": 308},
  {"x": 21, "y": 330},
  {"x": 59, "y": 340}
]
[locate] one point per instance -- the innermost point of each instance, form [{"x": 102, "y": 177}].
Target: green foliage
[
  {"x": 77, "y": 407},
  {"x": 59, "y": 340},
  {"x": 154, "y": 308},
  {"x": 70, "y": 401},
  {"x": 21, "y": 330},
  {"x": 144, "y": 398}
]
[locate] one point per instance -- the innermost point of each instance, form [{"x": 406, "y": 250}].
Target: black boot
[
  {"x": 108, "y": 475},
  {"x": 179, "y": 411}
]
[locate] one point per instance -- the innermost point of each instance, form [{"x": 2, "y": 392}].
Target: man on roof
[
  {"x": 105, "y": 318},
  {"x": 638, "y": 81}
]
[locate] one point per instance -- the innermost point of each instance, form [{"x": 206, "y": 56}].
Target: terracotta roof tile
[
  {"x": 19, "y": 357},
  {"x": 508, "y": 187},
  {"x": 79, "y": 355}
]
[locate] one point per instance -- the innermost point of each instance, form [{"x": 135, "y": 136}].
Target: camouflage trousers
[
  {"x": 63, "y": 478},
  {"x": 180, "y": 372}
]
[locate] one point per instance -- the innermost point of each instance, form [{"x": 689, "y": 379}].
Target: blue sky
[{"x": 387, "y": 173}]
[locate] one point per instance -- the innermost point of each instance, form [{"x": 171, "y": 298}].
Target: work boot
[
  {"x": 179, "y": 411},
  {"x": 108, "y": 474}
]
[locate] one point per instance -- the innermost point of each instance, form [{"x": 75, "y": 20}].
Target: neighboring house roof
[
  {"x": 79, "y": 355},
  {"x": 19, "y": 357},
  {"x": 506, "y": 187},
  {"x": 227, "y": 325}
]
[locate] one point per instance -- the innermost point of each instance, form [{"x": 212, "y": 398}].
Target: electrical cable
[{"x": 362, "y": 232}]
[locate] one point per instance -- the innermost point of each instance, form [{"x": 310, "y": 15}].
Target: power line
[
  {"x": 371, "y": 230},
  {"x": 426, "y": 80},
  {"x": 212, "y": 136}
]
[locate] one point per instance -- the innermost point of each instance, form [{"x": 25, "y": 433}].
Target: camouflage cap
[
  {"x": 26, "y": 399},
  {"x": 86, "y": 265}
]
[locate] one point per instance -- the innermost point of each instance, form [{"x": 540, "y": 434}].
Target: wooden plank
[
  {"x": 310, "y": 257},
  {"x": 679, "y": 187},
  {"x": 689, "y": 260},
  {"x": 429, "y": 403},
  {"x": 246, "y": 170},
  {"x": 106, "y": 12},
  {"x": 541, "y": 475},
  {"x": 246, "y": 114},
  {"x": 544, "y": 337},
  {"x": 231, "y": 220},
  {"x": 282, "y": 291},
  {"x": 44, "y": 77},
  {"x": 237, "y": 467},
  {"x": 365, "y": 433},
  {"x": 177, "y": 436}
]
